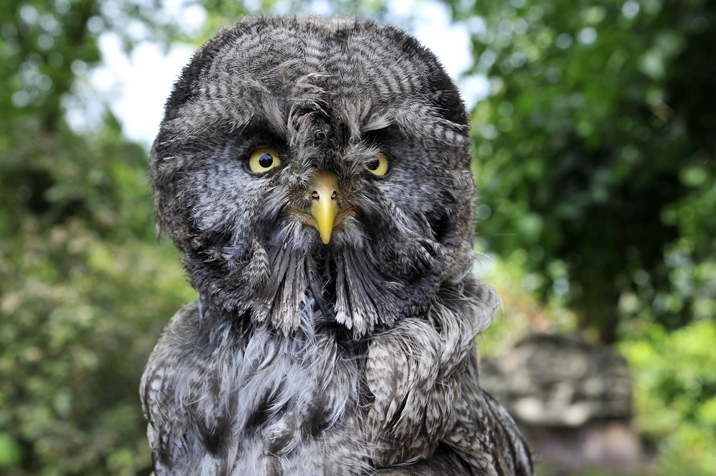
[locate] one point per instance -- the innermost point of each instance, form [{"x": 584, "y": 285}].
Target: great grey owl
[{"x": 315, "y": 176}]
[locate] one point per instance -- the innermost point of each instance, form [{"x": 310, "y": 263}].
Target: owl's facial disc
[{"x": 324, "y": 203}]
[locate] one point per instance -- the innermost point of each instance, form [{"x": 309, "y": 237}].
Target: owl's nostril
[{"x": 324, "y": 189}]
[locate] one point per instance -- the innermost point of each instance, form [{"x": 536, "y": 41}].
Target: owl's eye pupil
[
  {"x": 265, "y": 160},
  {"x": 373, "y": 163}
]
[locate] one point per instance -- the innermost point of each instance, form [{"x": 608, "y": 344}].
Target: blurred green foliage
[
  {"x": 595, "y": 160},
  {"x": 675, "y": 393},
  {"x": 84, "y": 288},
  {"x": 595, "y": 151},
  {"x": 595, "y": 156}
]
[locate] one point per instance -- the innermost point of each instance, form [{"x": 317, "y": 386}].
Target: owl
[{"x": 315, "y": 176}]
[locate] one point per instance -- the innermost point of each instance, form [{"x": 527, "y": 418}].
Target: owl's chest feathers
[{"x": 264, "y": 398}]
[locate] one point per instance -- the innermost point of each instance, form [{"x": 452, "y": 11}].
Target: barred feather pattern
[{"x": 355, "y": 357}]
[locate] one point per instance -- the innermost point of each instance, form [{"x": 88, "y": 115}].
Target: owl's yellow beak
[{"x": 324, "y": 203}]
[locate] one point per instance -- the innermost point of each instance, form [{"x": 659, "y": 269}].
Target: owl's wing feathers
[
  {"x": 484, "y": 435},
  {"x": 423, "y": 377},
  {"x": 175, "y": 443}
]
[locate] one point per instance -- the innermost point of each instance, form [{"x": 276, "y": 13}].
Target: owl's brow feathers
[{"x": 413, "y": 119}]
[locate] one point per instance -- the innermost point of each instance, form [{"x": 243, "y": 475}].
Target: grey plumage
[{"x": 354, "y": 356}]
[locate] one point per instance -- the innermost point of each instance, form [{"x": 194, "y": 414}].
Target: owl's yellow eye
[
  {"x": 377, "y": 165},
  {"x": 263, "y": 160}
]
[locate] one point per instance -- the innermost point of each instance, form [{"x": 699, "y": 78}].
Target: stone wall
[{"x": 573, "y": 400}]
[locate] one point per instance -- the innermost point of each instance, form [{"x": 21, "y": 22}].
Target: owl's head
[{"x": 309, "y": 168}]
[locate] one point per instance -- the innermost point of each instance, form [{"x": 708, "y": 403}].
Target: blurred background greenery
[{"x": 595, "y": 159}]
